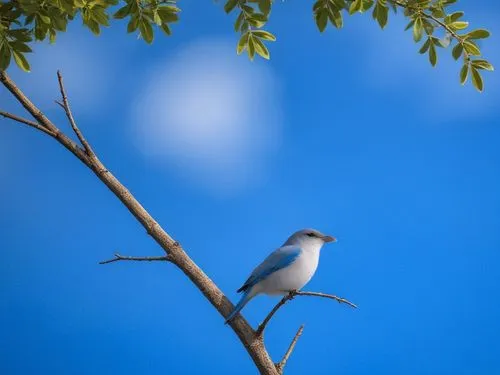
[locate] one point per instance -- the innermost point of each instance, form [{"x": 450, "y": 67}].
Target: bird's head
[{"x": 309, "y": 237}]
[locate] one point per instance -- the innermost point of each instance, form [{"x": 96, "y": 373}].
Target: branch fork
[{"x": 252, "y": 340}]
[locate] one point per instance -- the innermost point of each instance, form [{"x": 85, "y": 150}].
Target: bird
[{"x": 288, "y": 268}]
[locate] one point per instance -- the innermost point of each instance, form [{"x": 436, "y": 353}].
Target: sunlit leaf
[{"x": 477, "y": 80}]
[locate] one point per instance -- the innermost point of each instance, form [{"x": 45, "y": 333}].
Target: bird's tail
[{"x": 245, "y": 298}]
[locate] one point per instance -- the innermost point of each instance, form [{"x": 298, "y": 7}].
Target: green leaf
[
  {"x": 122, "y": 12},
  {"x": 472, "y": 48},
  {"x": 366, "y": 5},
  {"x": 321, "y": 19},
  {"x": 157, "y": 18},
  {"x": 239, "y": 21},
  {"x": 478, "y": 34},
  {"x": 410, "y": 24},
  {"x": 21, "y": 61},
  {"x": 52, "y": 36},
  {"x": 381, "y": 13},
  {"x": 438, "y": 12},
  {"x": 93, "y": 26},
  {"x": 167, "y": 15},
  {"x": 453, "y": 17},
  {"x": 259, "y": 17},
  {"x": 261, "y": 49},
  {"x": 166, "y": 28},
  {"x": 20, "y": 47},
  {"x": 482, "y": 64},
  {"x": 242, "y": 43},
  {"x": 432, "y": 54},
  {"x": 146, "y": 31},
  {"x": 428, "y": 26},
  {"x": 356, "y": 6},
  {"x": 99, "y": 15},
  {"x": 425, "y": 46},
  {"x": 133, "y": 24},
  {"x": 317, "y": 5},
  {"x": 45, "y": 19},
  {"x": 417, "y": 30},
  {"x": 230, "y": 5},
  {"x": 251, "y": 47},
  {"x": 477, "y": 80},
  {"x": 335, "y": 18},
  {"x": 5, "y": 55},
  {"x": 457, "y": 51},
  {"x": 262, "y": 34},
  {"x": 247, "y": 9},
  {"x": 265, "y": 6},
  {"x": 464, "y": 73},
  {"x": 459, "y": 25}
]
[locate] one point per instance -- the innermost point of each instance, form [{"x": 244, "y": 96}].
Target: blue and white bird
[{"x": 286, "y": 269}]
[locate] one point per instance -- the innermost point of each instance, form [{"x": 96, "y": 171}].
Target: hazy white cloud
[{"x": 211, "y": 114}]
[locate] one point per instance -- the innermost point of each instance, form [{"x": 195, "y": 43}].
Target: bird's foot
[{"x": 291, "y": 294}]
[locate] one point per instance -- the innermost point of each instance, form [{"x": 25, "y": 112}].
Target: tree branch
[
  {"x": 436, "y": 20},
  {"x": 42, "y": 119},
  {"x": 281, "y": 365},
  {"x": 324, "y": 295},
  {"x": 139, "y": 259},
  {"x": 67, "y": 109},
  {"x": 262, "y": 326},
  {"x": 290, "y": 296},
  {"x": 176, "y": 254},
  {"x": 27, "y": 122}
]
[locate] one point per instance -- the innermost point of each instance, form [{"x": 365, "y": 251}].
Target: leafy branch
[
  {"x": 426, "y": 17},
  {"x": 253, "y": 15},
  {"x": 25, "y": 21}
]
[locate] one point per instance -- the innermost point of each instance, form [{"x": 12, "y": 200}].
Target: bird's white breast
[{"x": 293, "y": 277}]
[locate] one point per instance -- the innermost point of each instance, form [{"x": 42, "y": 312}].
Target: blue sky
[{"x": 351, "y": 132}]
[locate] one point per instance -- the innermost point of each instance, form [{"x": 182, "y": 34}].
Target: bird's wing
[{"x": 278, "y": 259}]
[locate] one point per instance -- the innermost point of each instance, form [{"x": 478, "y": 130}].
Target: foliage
[
  {"x": 427, "y": 18},
  {"x": 22, "y": 21},
  {"x": 431, "y": 21}
]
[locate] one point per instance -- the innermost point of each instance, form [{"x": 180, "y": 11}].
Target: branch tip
[
  {"x": 69, "y": 115},
  {"x": 260, "y": 330},
  {"x": 138, "y": 259},
  {"x": 281, "y": 365},
  {"x": 22, "y": 120}
]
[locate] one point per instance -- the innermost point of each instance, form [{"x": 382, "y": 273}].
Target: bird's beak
[{"x": 329, "y": 239}]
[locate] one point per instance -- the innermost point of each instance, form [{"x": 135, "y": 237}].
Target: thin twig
[
  {"x": 281, "y": 365},
  {"x": 67, "y": 109},
  {"x": 324, "y": 295},
  {"x": 139, "y": 259},
  {"x": 435, "y": 19},
  {"x": 262, "y": 326},
  {"x": 290, "y": 296},
  {"x": 27, "y": 122}
]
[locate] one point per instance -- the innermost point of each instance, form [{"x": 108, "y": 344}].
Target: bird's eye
[{"x": 310, "y": 234}]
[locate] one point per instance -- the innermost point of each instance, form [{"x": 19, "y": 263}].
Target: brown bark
[
  {"x": 176, "y": 254},
  {"x": 252, "y": 340}
]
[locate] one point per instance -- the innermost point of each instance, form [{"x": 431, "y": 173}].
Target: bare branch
[
  {"x": 34, "y": 111},
  {"x": 281, "y": 365},
  {"x": 67, "y": 109},
  {"x": 139, "y": 259},
  {"x": 290, "y": 296},
  {"x": 262, "y": 326},
  {"x": 324, "y": 295},
  {"x": 176, "y": 254},
  {"x": 22, "y": 120}
]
